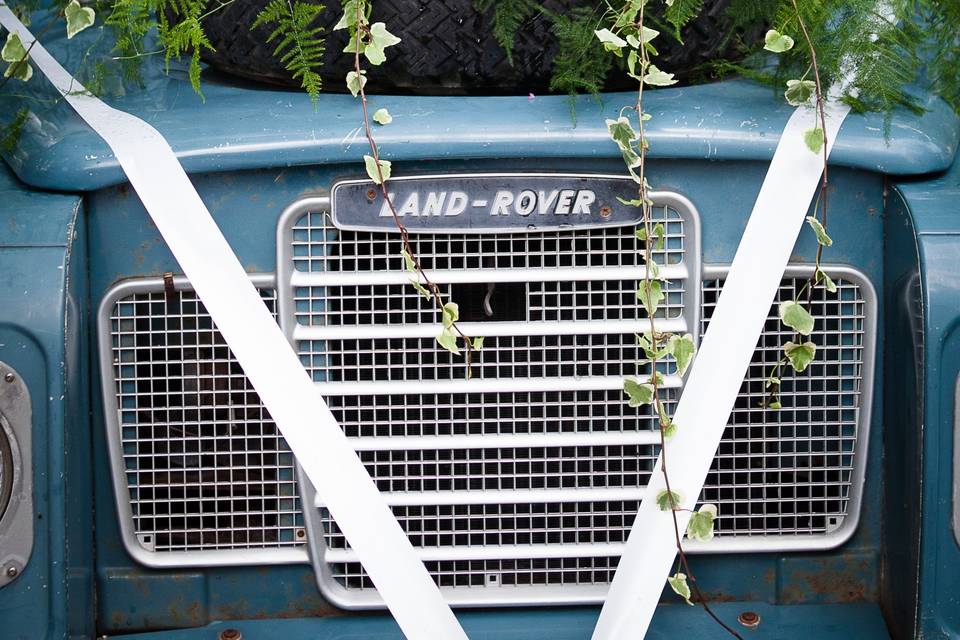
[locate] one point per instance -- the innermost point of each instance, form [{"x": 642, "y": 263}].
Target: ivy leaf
[
  {"x": 682, "y": 348},
  {"x": 656, "y": 78},
  {"x": 14, "y": 52},
  {"x": 772, "y": 381},
  {"x": 799, "y": 92},
  {"x": 668, "y": 500},
  {"x": 349, "y": 17},
  {"x": 610, "y": 40},
  {"x": 814, "y": 139},
  {"x": 701, "y": 523},
  {"x": 775, "y": 405},
  {"x": 621, "y": 132},
  {"x": 800, "y": 355},
  {"x": 448, "y": 341},
  {"x": 638, "y": 394},
  {"x": 356, "y": 81},
  {"x": 78, "y": 18},
  {"x": 408, "y": 262},
  {"x": 636, "y": 202},
  {"x": 478, "y": 343},
  {"x": 827, "y": 281},
  {"x": 680, "y": 587},
  {"x": 380, "y": 39},
  {"x": 650, "y": 295},
  {"x": 777, "y": 42},
  {"x": 658, "y": 236},
  {"x": 422, "y": 290},
  {"x": 796, "y": 317},
  {"x": 451, "y": 313},
  {"x": 375, "y": 175},
  {"x": 818, "y": 229},
  {"x": 382, "y": 116}
]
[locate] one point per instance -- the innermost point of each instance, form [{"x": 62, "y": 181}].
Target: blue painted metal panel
[
  {"x": 934, "y": 209},
  {"x": 43, "y": 289},
  {"x": 124, "y": 243},
  {"x": 823, "y": 622},
  {"x": 243, "y": 127}
]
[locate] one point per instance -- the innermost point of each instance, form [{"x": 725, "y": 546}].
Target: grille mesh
[
  {"x": 786, "y": 472},
  {"x": 204, "y": 465}
]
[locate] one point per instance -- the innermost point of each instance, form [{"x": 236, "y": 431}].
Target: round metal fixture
[{"x": 749, "y": 619}]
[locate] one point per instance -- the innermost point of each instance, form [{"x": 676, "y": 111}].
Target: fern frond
[
  {"x": 297, "y": 43},
  {"x": 582, "y": 64},
  {"x": 508, "y": 15},
  {"x": 680, "y": 13}
]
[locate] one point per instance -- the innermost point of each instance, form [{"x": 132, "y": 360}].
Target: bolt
[
  {"x": 371, "y": 194},
  {"x": 12, "y": 571},
  {"x": 605, "y": 212},
  {"x": 9, "y": 377},
  {"x": 230, "y": 634},
  {"x": 749, "y": 619}
]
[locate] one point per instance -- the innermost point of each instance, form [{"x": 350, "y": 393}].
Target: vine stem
[
  {"x": 822, "y": 113},
  {"x": 654, "y": 338},
  {"x": 375, "y": 153}
]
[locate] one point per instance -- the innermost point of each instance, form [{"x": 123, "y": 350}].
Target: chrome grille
[{"x": 202, "y": 468}]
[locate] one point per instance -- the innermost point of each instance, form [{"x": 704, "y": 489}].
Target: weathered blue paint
[
  {"x": 241, "y": 127},
  {"x": 42, "y": 335},
  {"x": 824, "y": 622},
  {"x": 934, "y": 209}
]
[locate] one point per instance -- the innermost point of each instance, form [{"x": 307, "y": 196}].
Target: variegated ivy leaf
[
  {"x": 451, "y": 313},
  {"x": 668, "y": 500},
  {"x": 814, "y": 139},
  {"x": 701, "y": 522},
  {"x": 827, "y": 281},
  {"x": 650, "y": 294},
  {"x": 610, "y": 40},
  {"x": 380, "y": 39},
  {"x": 78, "y": 18},
  {"x": 682, "y": 348},
  {"x": 775, "y": 405},
  {"x": 799, "y": 92},
  {"x": 656, "y": 78},
  {"x": 448, "y": 341},
  {"x": 777, "y": 42},
  {"x": 356, "y": 81},
  {"x": 680, "y": 587},
  {"x": 408, "y": 262},
  {"x": 377, "y": 176},
  {"x": 818, "y": 229},
  {"x": 349, "y": 17},
  {"x": 478, "y": 343},
  {"x": 772, "y": 381},
  {"x": 638, "y": 394},
  {"x": 382, "y": 116},
  {"x": 800, "y": 355},
  {"x": 796, "y": 317},
  {"x": 422, "y": 290},
  {"x": 16, "y": 54},
  {"x": 621, "y": 132}
]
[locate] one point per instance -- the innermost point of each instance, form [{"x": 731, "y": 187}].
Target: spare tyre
[{"x": 448, "y": 47}]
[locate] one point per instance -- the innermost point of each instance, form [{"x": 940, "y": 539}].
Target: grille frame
[{"x": 163, "y": 558}]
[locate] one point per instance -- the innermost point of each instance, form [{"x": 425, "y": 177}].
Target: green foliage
[
  {"x": 130, "y": 21},
  {"x": 184, "y": 36},
  {"x": 14, "y": 53},
  {"x": 800, "y": 355},
  {"x": 680, "y": 12},
  {"x": 638, "y": 394},
  {"x": 680, "y": 587},
  {"x": 796, "y": 317},
  {"x": 78, "y": 18},
  {"x": 508, "y": 15},
  {"x": 581, "y": 65},
  {"x": 701, "y": 522},
  {"x": 297, "y": 42},
  {"x": 668, "y": 500},
  {"x": 10, "y": 133}
]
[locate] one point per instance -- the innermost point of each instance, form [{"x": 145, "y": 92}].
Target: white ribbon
[
  {"x": 717, "y": 373},
  {"x": 268, "y": 360}
]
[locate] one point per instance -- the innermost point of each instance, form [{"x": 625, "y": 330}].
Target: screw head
[
  {"x": 9, "y": 377},
  {"x": 749, "y": 619},
  {"x": 230, "y": 634},
  {"x": 12, "y": 571}
]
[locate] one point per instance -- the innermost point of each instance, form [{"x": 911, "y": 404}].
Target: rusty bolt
[
  {"x": 749, "y": 619},
  {"x": 371, "y": 194},
  {"x": 301, "y": 533},
  {"x": 9, "y": 377},
  {"x": 605, "y": 212},
  {"x": 12, "y": 571},
  {"x": 230, "y": 634}
]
